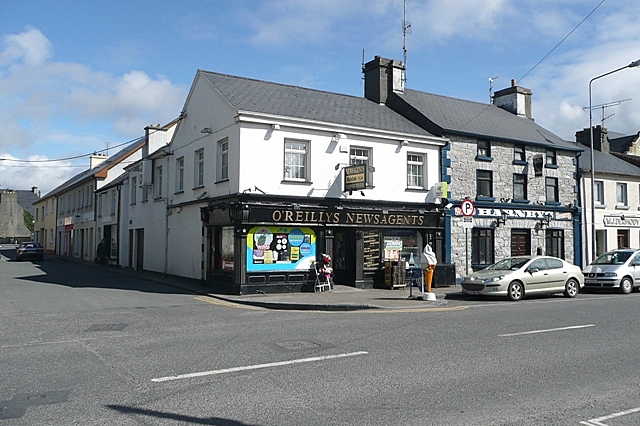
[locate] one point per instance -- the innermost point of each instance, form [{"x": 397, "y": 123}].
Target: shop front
[{"x": 272, "y": 247}]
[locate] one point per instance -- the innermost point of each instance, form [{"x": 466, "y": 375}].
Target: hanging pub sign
[
  {"x": 355, "y": 177},
  {"x": 537, "y": 164}
]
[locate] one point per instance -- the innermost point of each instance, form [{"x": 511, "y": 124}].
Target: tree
[{"x": 28, "y": 220}]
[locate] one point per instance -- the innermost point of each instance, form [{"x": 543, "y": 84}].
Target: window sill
[
  {"x": 602, "y": 206},
  {"x": 483, "y": 158},
  {"x": 296, "y": 182},
  {"x": 198, "y": 187},
  {"x": 221, "y": 181},
  {"x": 621, "y": 207},
  {"x": 518, "y": 201},
  {"x": 551, "y": 166},
  {"x": 552, "y": 203},
  {"x": 520, "y": 163},
  {"x": 179, "y": 192},
  {"x": 416, "y": 189},
  {"x": 484, "y": 198}
]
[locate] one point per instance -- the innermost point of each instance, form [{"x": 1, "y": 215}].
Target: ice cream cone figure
[{"x": 428, "y": 263}]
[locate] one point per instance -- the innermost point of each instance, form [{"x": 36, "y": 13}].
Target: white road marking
[
  {"x": 599, "y": 420},
  {"x": 573, "y": 327},
  {"x": 256, "y": 367}
]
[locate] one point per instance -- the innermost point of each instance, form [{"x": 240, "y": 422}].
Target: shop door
[
  {"x": 344, "y": 248},
  {"x": 520, "y": 242}
]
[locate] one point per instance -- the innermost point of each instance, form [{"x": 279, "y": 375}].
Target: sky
[{"x": 79, "y": 77}]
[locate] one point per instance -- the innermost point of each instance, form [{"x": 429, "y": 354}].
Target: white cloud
[{"x": 48, "y": 106}]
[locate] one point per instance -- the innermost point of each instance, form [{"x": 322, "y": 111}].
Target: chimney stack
[
  {"x": 515, "y": 99},
  {"x": 381, "y": 77}
]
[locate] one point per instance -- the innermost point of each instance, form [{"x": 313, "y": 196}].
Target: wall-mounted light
[
  {"x": 275, "y": 126},
  {"x": 502, "y": 219},
  {"x": 545, "y": 220},
  {"x": 403, "y": 143},
  {"x": 337, "y": 166},
  {"x": 337, "y": 136},
  {"x": 206, "y": 130}
]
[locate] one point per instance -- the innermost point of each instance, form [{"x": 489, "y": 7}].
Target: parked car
[
  {"x": 29, "y": 250},
  {"x": 618, "y": 269},
  {"x": 516, "y": 277}
]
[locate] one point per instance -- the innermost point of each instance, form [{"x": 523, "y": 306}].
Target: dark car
[{"x": 30, "y": 250}]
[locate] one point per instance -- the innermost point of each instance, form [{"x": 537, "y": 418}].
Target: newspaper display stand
[{"x": 395, "y": 274}]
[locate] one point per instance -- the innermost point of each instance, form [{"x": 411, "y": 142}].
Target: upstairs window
[
  {"x": 295, "y": 160},
  {"x": 416, "y": 171},
  {"x": 157, "y": 182},
  {"x": 598, "y": 192},
  {"x": 362, "y": 156},
  {"x": 484, "y": 183},
  {"x": 551, "y": 185},
  {"x": 519, "y": 186},
  {"x": 519, "y": 155},
  {"x": 484, "y": 150},
  {"x": 621, "y": 195},
  {"x": 133, "y": 188},
  {"x": 198, "y": 177},
  {"x": 180, "y": 174},
  {"x": 223, "y": 159},
  {"x": 552, "y": 161}
]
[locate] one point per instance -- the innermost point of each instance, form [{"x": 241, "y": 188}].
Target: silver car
[
  {"x": 618, "y": 269},
  {"x": 516, "y": 277}
]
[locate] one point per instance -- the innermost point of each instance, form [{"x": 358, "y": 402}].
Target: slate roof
[
  {"x": 248, "y": 95},
  {"x": 608, "y": 163},
  {"x": 462, "y": 117},
  {"x": 621, "y": 143},
  {"x": 105, "y": 165}
]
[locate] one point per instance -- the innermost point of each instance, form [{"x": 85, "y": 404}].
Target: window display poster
[{"x": 277, "y": 248}]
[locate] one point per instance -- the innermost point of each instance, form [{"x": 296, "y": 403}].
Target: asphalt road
[{"x": 82, "y": 346}]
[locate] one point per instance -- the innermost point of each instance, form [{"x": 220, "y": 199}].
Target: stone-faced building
[{"x": 521, "y": 178}]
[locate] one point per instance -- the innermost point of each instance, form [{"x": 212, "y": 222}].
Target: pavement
[{"x": 341, "y": 298}]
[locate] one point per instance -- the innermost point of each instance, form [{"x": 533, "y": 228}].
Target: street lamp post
[{"x": 593, "y": 197}]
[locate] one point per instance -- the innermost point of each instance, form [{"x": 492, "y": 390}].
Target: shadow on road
[
  {"x": 216, "y": 421},
  {"x": 78, "y": 274}
]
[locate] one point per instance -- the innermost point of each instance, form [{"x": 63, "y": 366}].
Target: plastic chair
[{"x": 323, "y": 278}]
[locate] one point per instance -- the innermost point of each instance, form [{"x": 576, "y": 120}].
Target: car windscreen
[
  {"x": 510, "y": 264},
  {"x": 613, "y": 258}
]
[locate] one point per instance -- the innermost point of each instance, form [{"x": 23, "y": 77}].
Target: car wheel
[
  {"x": 515, "y": 291},
  {"x": 626, "y": 285},
  {"x": 571, "y": 288}
]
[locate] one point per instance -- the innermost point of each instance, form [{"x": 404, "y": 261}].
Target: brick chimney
[
  {"x": 600, "y": 139},
  {"x": 515, "y": 99},
  {"x": 381, "y": 77}
]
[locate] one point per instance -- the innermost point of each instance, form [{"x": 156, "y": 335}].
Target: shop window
[
  {"x": 296, "y": 159},
  {"x": 416, "y": 168},
  {"x": 519, "y": 187},
  {"x": 362, "y": 156},
  {"x": 482, "y": 247},
  {"x": 223, "y": 160},
  {"x": 623, "y": 238},
  {"x": 277, "y": 248},
  {"x": 551, "y": 185},
  {"x": 227, "y": 253},
  {"x": 554, "y": 243},
  {"x": 484, "y": 184}
]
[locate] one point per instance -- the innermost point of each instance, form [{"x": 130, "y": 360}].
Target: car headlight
[
  {"x": 494, "y": 279},
  {"x": 610, "y": 274}
]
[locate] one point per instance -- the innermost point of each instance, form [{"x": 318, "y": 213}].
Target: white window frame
[
  {"x": 223, "y": 160},
  {"x": 598, "y": 192},
  {"x": 198, "y": 173},
  {"x": 416, "y": 170},
  {"x": 294, "y": 150}
]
